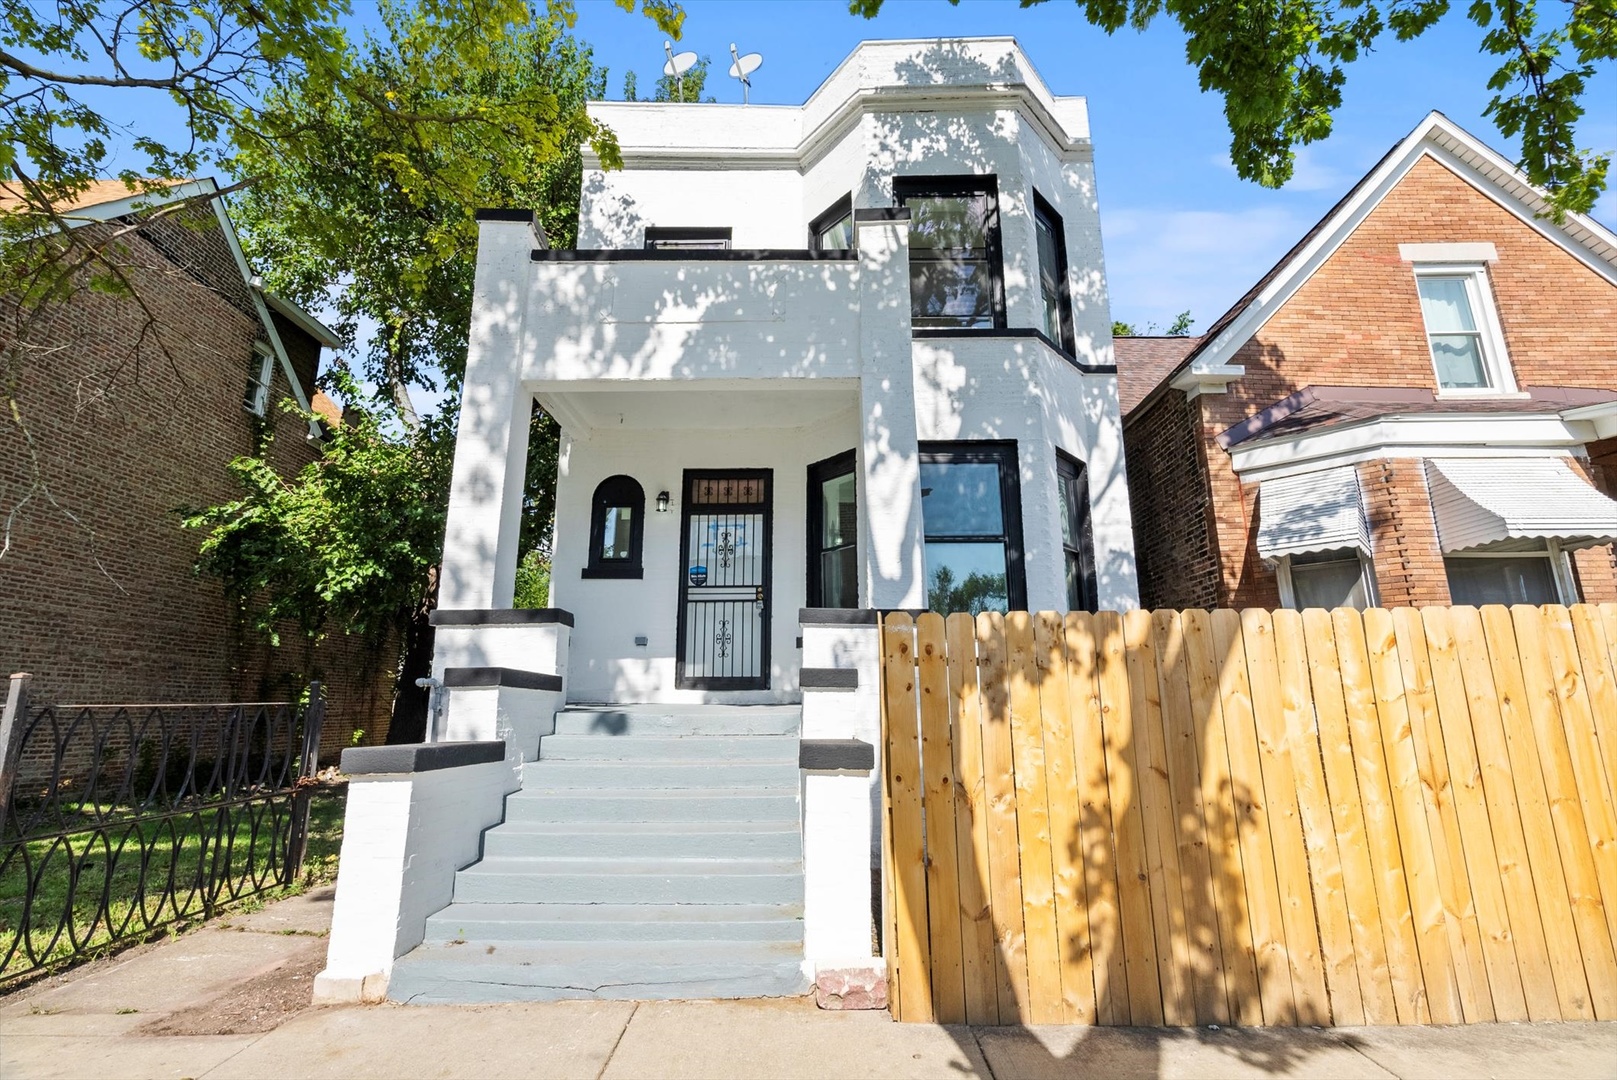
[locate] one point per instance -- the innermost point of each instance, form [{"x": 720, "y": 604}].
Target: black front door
[{"x": 724, "y": 580}]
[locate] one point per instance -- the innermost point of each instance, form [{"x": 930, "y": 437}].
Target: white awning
[
  {"x": 1317, "y": 511},
  {"x": 1479, "y": 501}
]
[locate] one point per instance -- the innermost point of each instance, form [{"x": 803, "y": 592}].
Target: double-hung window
[
  {"x": 1462, "y": 330},
  {"x": 1535, "y": 576},
  {"x": 833, "y": 570},
  {"x": 1077, "y": 539},
  {"x": 956, "y": 273},
  {"x": 1325, "y": 579},
  {"x": 833, "y": 230},
  {"x": 1055, "y": 305},
  {"x": 971, "y": 512},
  {"x": 260, "y": 371}
]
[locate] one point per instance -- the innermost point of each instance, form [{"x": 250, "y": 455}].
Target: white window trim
[
  {"x": 265, "y": 356},
  {"x": 1288, "y": 592},
  {"x": 1566, "y": 586},
  {"x": 1495, "y": 358}
]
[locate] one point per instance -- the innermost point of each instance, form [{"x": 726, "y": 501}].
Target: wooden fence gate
[{"x": 1247, "y": 818}]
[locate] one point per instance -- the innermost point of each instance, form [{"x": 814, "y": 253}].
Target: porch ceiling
[{"x": 701, "y": 405}]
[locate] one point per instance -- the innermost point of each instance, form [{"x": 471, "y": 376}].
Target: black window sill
[
  {"x": 1014, "y": 332},
  {"x": 613, "y": 572}
]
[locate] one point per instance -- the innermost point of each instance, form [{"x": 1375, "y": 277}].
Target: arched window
[{"x": 617, "y": 528}]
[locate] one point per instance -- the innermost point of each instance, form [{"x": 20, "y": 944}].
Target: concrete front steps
[{"x": 651, "y": 852}]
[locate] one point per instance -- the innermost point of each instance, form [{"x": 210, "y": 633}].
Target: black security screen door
[{"x": 724, "y": 581}]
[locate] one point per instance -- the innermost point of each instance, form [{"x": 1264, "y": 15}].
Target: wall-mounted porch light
[{"x": 662, "y": 502}]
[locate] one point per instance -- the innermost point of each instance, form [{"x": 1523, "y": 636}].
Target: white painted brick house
[{"x": 810, "y": 363}]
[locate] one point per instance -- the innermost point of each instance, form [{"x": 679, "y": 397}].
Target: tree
[
  {"x": 1180, "y": 327},
  {"x": 978, "y": 593},
  {"x": 1280, "y": 66}
]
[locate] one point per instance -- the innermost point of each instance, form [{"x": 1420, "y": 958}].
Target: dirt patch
[{"x": 257, "y": 1005}]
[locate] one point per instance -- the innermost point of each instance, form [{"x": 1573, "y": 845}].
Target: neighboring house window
[
  {"x": 971, "y": 511},
  {"x": 833, "y": 230},
  {"x": 260, "y": 371},
  {"x": 833, "y": 526},
  {"x": 956, "y": 276},
  {"x": 1077, "y": 539},
  {"x": 1519, "y": 577},
  {"x": 687, "y": 239},
  {"x": 1462, "y": 329},
  {"x": 1325, "y": 579},
  {"x": 1054, "y": 299},
  {"x": 617, "y": 529}
]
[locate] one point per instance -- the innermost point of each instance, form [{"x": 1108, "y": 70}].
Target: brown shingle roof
[
  {"x": 1143, "y": 362},
  {"x": 99, "y": 191}
]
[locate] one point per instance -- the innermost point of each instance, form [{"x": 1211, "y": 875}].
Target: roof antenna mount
[
  {"x": 676, "y": 67},
  {"x": 742, "y": 68}
]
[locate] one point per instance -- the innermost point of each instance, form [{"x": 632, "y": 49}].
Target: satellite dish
[
  {"x": 676, "y": 67},
  {"x": 743, "y": 67}
]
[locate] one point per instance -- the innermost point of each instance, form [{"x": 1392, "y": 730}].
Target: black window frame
[
  {"x": 684, "y": 234},
  {"x": 819, "y": 473},
  {"x": 1003, "y": 453},
  {"x": 1046, "y": 214},
  {"x": 1073, "y": 477},
  {"x": 615, "y": 491},
  {"x": 944, "y": 187},
  {"x": 842, "y": 208}
]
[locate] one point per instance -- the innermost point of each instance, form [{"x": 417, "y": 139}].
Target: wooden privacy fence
[{"x": 1228, "y": 817}]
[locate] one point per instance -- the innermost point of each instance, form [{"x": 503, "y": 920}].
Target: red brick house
[
  {"x": 130, "y": 417},
  {"x": 1416, "y": 405}
]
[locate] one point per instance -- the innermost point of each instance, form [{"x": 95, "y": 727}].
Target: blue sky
[{"x": 1181, "y": 230}]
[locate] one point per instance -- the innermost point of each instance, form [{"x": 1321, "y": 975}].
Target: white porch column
[
  {"x": 890, "y": 542},
  {"x": 491, "y": 444}
]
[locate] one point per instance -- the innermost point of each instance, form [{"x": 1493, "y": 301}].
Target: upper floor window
[
  {"x": 833, "y": 230},
  {"x": 260, "y": 370},
  {"x": 700, "y": 238},
  {"x": 617, "y": 528},
  {"x": 1468, "y": 350},
  {"x": 1054, "y": 302},
  {"x": 1077, "y": 539},
  {"x": 956, "y": 273}
]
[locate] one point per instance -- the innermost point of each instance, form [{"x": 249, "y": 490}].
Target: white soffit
[
  {"x": 1479, "y": 501},
  {"x": 1317, "y": 511}
]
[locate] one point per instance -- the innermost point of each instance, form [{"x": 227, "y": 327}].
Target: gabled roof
[
  {"x": 1143, "y": 362},
  {"x": 1436, "y": 137}
]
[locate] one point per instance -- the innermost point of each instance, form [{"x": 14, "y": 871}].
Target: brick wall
[
  {"x": 1357, "y": 322},
  {"x": 1173, "y": 547},
  {"x": 97, "y": 595}
]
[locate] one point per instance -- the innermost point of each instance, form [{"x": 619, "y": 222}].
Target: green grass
[{"x": 108, "y": 863}]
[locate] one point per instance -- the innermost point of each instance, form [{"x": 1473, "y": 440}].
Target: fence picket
[
  {"x": 999, "y": 781},
  {"x": 1600, "y": 680},
  {"x": 977, "y": 946},
  {"x": 1072, "y": 921},
  {"x": 1252, "y": 826},
  {"x": 1543, "y": 854},
  {"x": 1122, "y": 772},
  {"x": 910, "y": 943},
  {"x": 1043, "y": 946},
  {"x": 1099, "y": 855},
  {"x": 938, "y": 805},
  {"x": 1566, "y": 812},
  {"x": 1228, "y": 886},
  {"x": 1457, "y": 776}
]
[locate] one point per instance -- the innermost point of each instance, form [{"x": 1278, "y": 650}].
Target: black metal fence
[{"x": 117, "y": 820}]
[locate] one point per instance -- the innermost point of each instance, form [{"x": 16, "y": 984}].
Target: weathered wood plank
[
  {"x": 1252, "y": 825},
  {"x": 1184, "y": 783},
  {"x": 1532, "y": 802},
  {"x": 1278, "y": 702},
  {"x": 1361, "y": 895},
  {"x": 1516, "y": 876},
  {"x": 999, "y": 780},
  {"x": 1224, "y": 845},
  {"x": 1161, "y": 830},
  {"x": 1381, "y": 827},
  {"x": 1566, "y": 811},
  {"x": 909, "y": 853},
  {"x": 1033, "y": 824},
  {"x": 938, "y": 804},
  {"x": 1060, "y": 761},
  {"x": 1122, "y": 772},
  {"x": 977, "y": 944},
  {"x": 1459, "y": 774},
  {"x": 1100, "y": 860},
  {"x": 1470, "y": 970}
]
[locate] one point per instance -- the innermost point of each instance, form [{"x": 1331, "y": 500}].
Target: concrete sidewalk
[{"x": 99, "y": 1023}]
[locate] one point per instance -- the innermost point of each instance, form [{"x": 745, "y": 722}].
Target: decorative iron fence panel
[{"x": 117, "y": 820}]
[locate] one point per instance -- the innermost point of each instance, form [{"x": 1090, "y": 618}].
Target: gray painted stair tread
[
  {"x": 617, "y": 922},
  {"x": 662, "y": 914},
  {"x": 668, "y": 748},
  {"x": 644, "y": 828},
  {"x": 637, "y": 867},
  {"x": 680, "y": 719}
]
